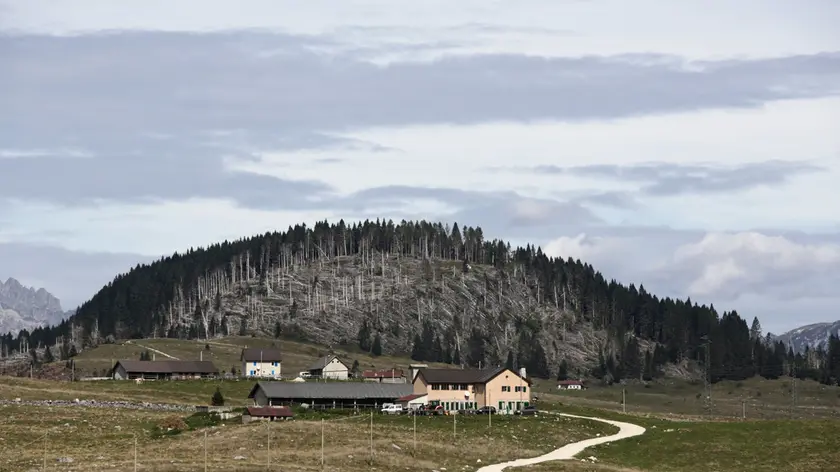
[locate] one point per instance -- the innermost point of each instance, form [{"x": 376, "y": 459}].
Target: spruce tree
[
  {"x": 48, "y": 355},
  {"x": 217, "y": 399},
  {"x": 509, "y": 362},
  {"x": 417, "y": 353},
  {"x": 376, "y": 349},
  {"x": 563, "y": 371}
]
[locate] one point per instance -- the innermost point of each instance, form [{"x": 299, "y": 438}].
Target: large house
[
  {"x": 163, "y": 370},
  {"x": 457, "y": 389},
  {"x": 329, "y": 367},
  {"x": 261, "y": 362},
  {"x": 327, "y": 394}
]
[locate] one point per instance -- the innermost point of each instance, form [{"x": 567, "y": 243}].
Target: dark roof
[
  {"x": 168, "y": 367},
  {"x": 270, "y": 411},
  {"x": 386, "y": 374},
  {"x": 570, "y": 382},
  {"x": 413, "y": 396},
  {"x": 256, "y": 354},
  {"x": 332, "y": 390},
  {"x": 322, "y": 362},
  {"x": 460, "y": 376}
]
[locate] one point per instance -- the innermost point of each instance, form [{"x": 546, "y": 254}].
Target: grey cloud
[
  {"x": 664, "y": 179},
  {"x": 160, "y": 111}
]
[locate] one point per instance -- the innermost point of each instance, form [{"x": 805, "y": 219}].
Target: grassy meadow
[{"x": 102, "y": 439}]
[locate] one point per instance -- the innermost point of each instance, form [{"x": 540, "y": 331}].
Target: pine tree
[
  {"x": 354, "y": 371},
  {"x": 539, "y": 365},
  {"x": 217, "y": 399},
  {"x": 48, "y": 355},
  {"x": 278, "y": 329},
  {"x": 563, "y": 371},
  {"x": 509, "y": 362},
  {"x": 456, "y": 357},
  {"x": 72, "y": 352},
  {"x": 376, "y": 350},
  {"x": 363, "y": 336},
  {"x": 417, "y": 353},
  {"x": 243, "y": 327}
]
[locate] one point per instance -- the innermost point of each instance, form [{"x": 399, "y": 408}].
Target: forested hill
[{"x": 441, "y": 293}]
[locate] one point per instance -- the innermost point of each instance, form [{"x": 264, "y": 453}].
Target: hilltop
[{"x": 436, "y": 292}]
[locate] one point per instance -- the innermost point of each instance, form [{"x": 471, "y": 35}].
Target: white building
[
  {"x": 261, "y": 362},
  {"x": 570, "y": 385},
  {"x": 329, "y": 367}
]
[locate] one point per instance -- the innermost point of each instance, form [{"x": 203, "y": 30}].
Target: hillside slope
[
  {"x": 811, "y": 336},
  {"x": 439, "y": 293}
]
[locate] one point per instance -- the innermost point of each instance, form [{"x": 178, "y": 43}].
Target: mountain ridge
[
  {"x": 25, "y": 308},
  {"x": 812, "y": 336}
]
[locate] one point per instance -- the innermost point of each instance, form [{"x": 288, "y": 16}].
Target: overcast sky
[{"x": 691, "y": 146}]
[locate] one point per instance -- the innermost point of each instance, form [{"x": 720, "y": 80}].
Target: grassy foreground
[
  {"x": 723, "y": 446},
  {"x": 100, "y": 439}
]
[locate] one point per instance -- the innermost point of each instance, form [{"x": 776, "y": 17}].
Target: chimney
[
  {"x": 153, "y": 356},
  {"x": 523, "y": 373},
  {"x": 201, "y": 355}
]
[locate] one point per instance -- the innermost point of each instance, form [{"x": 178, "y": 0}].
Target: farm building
[
  {"x": 327, "y": 395},
  {"x": 267, "y": 413},
  {"x": 457, "y": 389},
  {"x": 384, "y": 376},
  {"x": 261, "y": 362},
  {"x": 570, "y": 385},
  {"x": 163, "y": 370},
  {"x": 329, "y": 367},
  {"x": 413, "y": 401}
]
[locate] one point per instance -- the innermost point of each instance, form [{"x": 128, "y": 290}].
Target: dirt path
[
  {"x": 569, "y": 451},
  {"x": 152, "y": 350}
]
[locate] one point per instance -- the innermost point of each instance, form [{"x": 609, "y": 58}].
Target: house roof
[
  {"x": 379, "y": 374},
  {"x": 413, "y": 396},
  {"x": 270, "y": 411},
  {"x": 460, "y": 376},
  {"x": 256, "y": 354},
  {"x": 332, "y": 390},
  {"x": 168, "y": 367},
  {"x": 322, "y": 362}
]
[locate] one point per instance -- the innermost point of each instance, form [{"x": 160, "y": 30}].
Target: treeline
[{"x": 139, "y": 303}]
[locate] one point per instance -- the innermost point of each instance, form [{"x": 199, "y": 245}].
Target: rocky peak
[{"x": 31, "y": 304}]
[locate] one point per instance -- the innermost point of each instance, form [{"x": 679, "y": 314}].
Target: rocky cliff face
[
  {"x": 812, "y": 336},
  {"x": 25, "y": 308}
]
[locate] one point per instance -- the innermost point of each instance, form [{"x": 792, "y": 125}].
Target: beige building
[
  {"x": 458, "y": 389},
  {"x": 329, "y": 367},
  {"x": 261, "y": 362}
]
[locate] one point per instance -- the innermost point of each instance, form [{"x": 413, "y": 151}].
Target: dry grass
[
  {"x": 225, "y": 352},
  {"x": 98, "y": 439}
]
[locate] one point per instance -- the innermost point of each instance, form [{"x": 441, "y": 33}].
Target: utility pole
[
  {"x": 135, "y": 453},
  {"x": 45, "y": 452},
  {"x": 268, "y": 446},
  {"x": 414, "y": 415},
  {"x": 205, "y": 451},
  {"x": 454, "y": 426},
  {"x": 744, "y": 410},
  {"x": 322, "y": 443},
  {"x": 371, "y": 437},
  {"x": 624, "y": 400}
]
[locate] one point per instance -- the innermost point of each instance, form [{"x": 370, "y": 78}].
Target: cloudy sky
[{"x": 692, "y": 146}]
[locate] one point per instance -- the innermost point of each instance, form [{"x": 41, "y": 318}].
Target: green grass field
[{"x": 102, "y": 439}]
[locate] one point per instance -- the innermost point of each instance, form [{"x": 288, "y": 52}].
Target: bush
[{"x": 218, "y": 399}]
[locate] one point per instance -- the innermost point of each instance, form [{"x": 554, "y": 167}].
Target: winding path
[{"x": 569, "y": 451}]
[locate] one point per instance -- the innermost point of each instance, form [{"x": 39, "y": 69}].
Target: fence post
[
  {"x": 371, "y": 437},
  {"x": 205, "y": 451},
  {"x": 45, "y": 451},
  {"x": 414, "y": 415},
  {"x": 322, "y": 443},
  {"x": 135, "y": 453}
]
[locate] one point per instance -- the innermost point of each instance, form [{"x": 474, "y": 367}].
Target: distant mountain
[
  {"x": 812, "y": 335},
  {"x": 26, "y": 308}
]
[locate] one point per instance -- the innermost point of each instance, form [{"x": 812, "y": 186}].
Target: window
[
  {"x": 506, "y": 388},
  {"x": 435, "y": 387},
  {"x": 462, "y": 387},
  {"x": 255, "y": 364},
  {"x": 521, "y": 389}
]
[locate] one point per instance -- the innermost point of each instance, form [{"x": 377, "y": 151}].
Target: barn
[{"x": 328, "y": 394}]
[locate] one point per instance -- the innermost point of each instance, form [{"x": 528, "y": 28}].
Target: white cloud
[{"x": 731, "y": 264}]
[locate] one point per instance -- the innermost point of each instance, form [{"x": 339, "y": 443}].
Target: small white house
[
  {"x": 570, "y": 385},
  {"x": 261, "y": 362},
  {"x": 329, "y": 367},
  {"x": 414, "y": 401}
]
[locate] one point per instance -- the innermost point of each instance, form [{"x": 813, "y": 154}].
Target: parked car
[
  {"x": 392, "y": 409},
  {"x": 486, "y": 410},
  {"x": 304, "y": 375},
  {"x": 429, "y": 410},
  {"x": 529, "y": 410}
]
